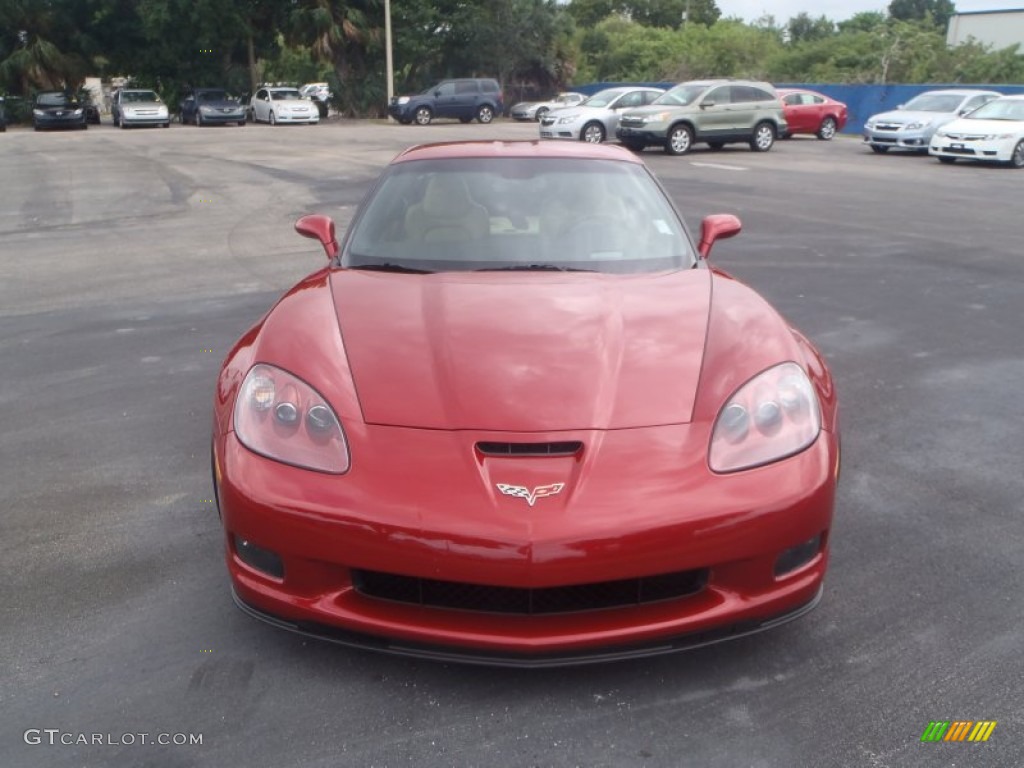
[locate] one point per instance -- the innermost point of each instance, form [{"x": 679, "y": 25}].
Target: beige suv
[{"x": 716, "y": 112}]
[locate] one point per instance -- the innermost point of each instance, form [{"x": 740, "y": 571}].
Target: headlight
[
  {"x": 916, "y": 125},
  {"x": 403, "y": 99},
  {"x": 870, "y": 125},
  {"x": 998, "y": 136},
  {"x": 941, "y": 134},
  {"x": 38, "y": 112},
  {"x": 661, "y": 117},
  {"x": 162, "y": 111},
  {"x": 281, "y": 417},
  {"x": 78, "y": 112},
  {"x": 568, "y": 119},
  {"x": 206, "y": 110},
  {"x": 774, "y": 415}
]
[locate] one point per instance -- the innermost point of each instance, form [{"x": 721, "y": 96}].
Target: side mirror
[
  {"x": 319, "y": 227},
  {"x": 707, "y": 103},
  {"x": 437, "y": 92},
  {"x": 717, "y": 226}
]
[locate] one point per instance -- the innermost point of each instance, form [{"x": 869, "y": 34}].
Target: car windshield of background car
[
  {"x": 471, "y": 214},
  {"x": 1000, "y": 109},
  {"x": 140, "y": 96},
  {"x": 213, "y": 96},
  {"x": 680, "y": 96},
  {"x": 601, "y": 98},
  {"x": 933, "y": 103},
  {"x": 285, "y": 95},
  {"x": 53, "y": 100}
]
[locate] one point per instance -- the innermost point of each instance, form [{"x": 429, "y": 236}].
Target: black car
[
  {"x": 464, "y": 99},
  {"x": 211, "y": 106},
  {"x": 3, "y": 117},
  {"x": 56, "y": 109}
]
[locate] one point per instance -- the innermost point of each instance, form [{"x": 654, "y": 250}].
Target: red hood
[{"x": 532, "y": 352}]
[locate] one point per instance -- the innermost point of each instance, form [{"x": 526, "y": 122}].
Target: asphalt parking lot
[{"x": 131, "y": 260}]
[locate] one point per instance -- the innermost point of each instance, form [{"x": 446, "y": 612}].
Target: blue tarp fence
[{"x": 863, "y": 101}]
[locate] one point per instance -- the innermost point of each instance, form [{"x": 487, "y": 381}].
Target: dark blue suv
[{"x": 463, "y": 99}]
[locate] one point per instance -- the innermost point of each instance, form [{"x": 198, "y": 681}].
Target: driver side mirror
[
  {"x": 717, "y": 226},
  {"x": 319, "y": 227},
  {"x": 707, "y": 103}
]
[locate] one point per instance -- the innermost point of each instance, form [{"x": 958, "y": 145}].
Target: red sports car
[
  {"x": 518, "y": 419},
  {"x": 814, "y": 113}
]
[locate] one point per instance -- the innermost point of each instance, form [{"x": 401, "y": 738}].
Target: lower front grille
[{"x": 512, "y": 600}]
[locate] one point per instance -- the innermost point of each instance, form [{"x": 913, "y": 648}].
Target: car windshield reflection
[{"x": 540, "y": 214}]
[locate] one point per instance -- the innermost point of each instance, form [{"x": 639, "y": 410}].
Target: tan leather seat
[{"x": 446, "y": 213}]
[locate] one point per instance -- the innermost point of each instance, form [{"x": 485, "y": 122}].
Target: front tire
[
  {"x": 424, "y": 116},
  {"x": 199, "y": 120},
  {"x": 592, "y": 133},
  {"x": 540, "y": 114},
  {"x": 946, "y": 160},
  {"x": 485, "y": 114},
  {"x": 764, "y": 137},
  {"x": 879, "y": 149},
  {"x": 273, "y": 118},
  {"x": 679, "y": 140},
  {"x": 827, "y": 129},
  {"x": 1017, "y": 156}
]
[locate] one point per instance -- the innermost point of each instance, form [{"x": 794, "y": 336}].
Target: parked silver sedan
[
  {"x": 911, "y": 125},
  {"x": 596, "y": 118},
  {"x": 535, "y": 110}
]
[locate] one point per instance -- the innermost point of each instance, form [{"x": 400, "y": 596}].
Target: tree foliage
[{"x": 532, "y": 46}]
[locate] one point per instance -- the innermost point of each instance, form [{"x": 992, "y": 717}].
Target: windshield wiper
[
  {"x": 534, "y": 268},
  {"x": 386, "y": 267}
]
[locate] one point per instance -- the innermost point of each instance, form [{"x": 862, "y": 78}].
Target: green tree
[
  {"x": 939, "y": 11},
  {"x": 802, "y": 28}
]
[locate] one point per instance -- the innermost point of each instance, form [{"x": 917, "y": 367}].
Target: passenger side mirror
[
  {"x": 717, "y": 226},
  {"x": 319, "y": 227},
  {"x": 707, "y": 103}
]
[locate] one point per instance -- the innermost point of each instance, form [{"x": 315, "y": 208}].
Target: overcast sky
[{"x": 837, "y": 10}]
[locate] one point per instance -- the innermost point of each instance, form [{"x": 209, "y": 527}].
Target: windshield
[
  {"x": 934, "y": 102},
  {"x": 681, "y": 95},
  {"x": 468, "y": 214},
  {"x": 54, "y": 100},
  {"x": 1000, "y": 109},
  {"x": 285, "y": 95},
  {"x": 139, "y": 96},
  {"x": 602, "y": 98},
  {"x": 213, "y": 96}
]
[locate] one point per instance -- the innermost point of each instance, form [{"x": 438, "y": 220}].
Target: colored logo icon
[{"x": 958, "y": 730}]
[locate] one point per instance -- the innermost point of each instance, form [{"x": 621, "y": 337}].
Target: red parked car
[
  {"x": 507, "y": 424},
  {"x": 811, "y": 112}
]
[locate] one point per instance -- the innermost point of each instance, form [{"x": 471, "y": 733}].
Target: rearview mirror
[
  {"x": 319, "y": 227},
  {"x": 717, "y": 226}
]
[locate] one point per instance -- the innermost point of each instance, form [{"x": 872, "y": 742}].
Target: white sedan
[
  {"x": 276, "y": 105},
  {"x": 992, "y": 133},
  {"x": 596, "y": 118}
]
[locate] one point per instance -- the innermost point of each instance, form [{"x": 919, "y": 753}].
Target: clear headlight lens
[
  {"x": 403, "y": 99},
  {"x": 38, "y": 112},
  {"x": 774, "y": 415},
  {"x": 916, "y": 125},
  {"x": 279, "y": 416},
  {"x": 661, "y": 117},
  {"x": 568, "y": 119},
  {"x": 870, "y": 125},
  {"x": 78, "y": 112}
]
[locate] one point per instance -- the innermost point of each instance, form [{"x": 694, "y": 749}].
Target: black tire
[
  {"x": 679, "y": 140},
  {"x": 272, "y": 118},
  {"x": 540, "y": 114},
  {"x": 634, "y": 146},
  {"x": 764, "y": 137},
  {"x": 485, "y": 114},
  {"x": 423, "y": 115},
  {"x": 199, "y": 119},
  {"x": 592, "y": 133},
  {"x": 241, "y": 123},
  {"x": 827, "y": 129},
  {"x": 947, "y": 160},
  {"x": 166, "y": 125},
  {"x": 1017, "y": 156},
  {"x": 716, "y": 145},
  {"x": 879, "y": 149},
  {"x": 115, "y": 119}
]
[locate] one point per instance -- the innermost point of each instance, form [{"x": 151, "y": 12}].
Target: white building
[{"x": 998, "y": 29}]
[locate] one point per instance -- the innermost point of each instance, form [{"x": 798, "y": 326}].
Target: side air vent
[{"x": 566, "y": 448}]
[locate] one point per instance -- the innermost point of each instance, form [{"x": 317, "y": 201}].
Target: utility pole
[{"x": 387, "y": 48}]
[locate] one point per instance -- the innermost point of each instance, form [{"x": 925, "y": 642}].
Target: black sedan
[
  {"x": 55, "y": 109},
  {"x": 211, "y": 106}
]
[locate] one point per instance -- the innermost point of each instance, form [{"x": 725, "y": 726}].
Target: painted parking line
[{"x": 720, "y": 166}]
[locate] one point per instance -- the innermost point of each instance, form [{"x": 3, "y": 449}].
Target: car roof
[
  {"x": 959, "y": 91},
  {"x": 519, "y": 149}
]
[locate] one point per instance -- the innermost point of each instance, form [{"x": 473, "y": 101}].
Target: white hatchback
[{"x": 992, "y": 133}]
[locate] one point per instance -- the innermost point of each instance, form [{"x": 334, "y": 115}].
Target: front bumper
[
  {"x": 646, "y": 136},
  {"x": 972, "y": 148},
  {"x": 308, "y": 117},
  {"x": 663, "y": 518},
  {"x": 145, "y": 119},
  {"x": 553, "y": 130},
  {"x": 916, "y": 140},
  {"x": 59, "y": 121},
  {"x": 221, "y": 117}
]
